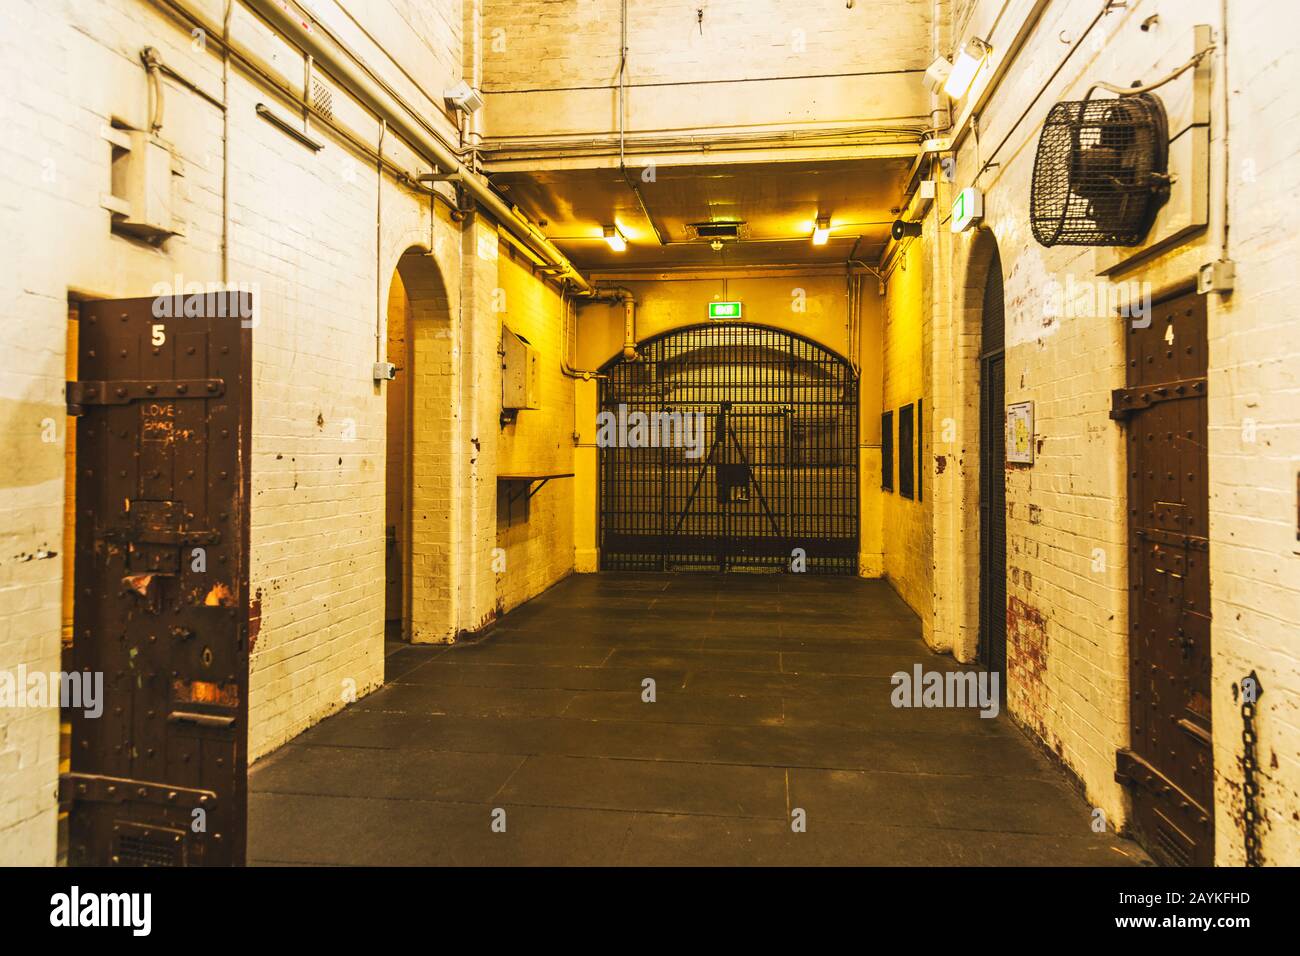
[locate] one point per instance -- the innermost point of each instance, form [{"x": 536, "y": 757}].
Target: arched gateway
[{"x": 729, "y": 448}]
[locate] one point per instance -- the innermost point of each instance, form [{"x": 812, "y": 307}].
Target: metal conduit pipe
[
  {"x": 625, "y": 296},
  {"x": 153, "y": 67},
  {"x": 569, "y": 314},
  {"x": 629, "y": 320},
  {"x": 232, "y": 53},
  {"x": 609, "y": 294},
  {"x": 622, "y": 126},
  {"x": 629, "y": 327},
  {"x": 387, "y": 107}
]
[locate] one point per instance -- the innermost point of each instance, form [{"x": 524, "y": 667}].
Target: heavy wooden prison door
[{"x": 161, "y": 602}]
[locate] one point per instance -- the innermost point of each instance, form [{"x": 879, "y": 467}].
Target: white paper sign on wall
[{"x": 1020, "y": 433}]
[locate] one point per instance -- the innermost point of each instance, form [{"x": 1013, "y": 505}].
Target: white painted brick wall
[
  {"x": 539, "y": 550},
  {"x": 552, "y": 66},
  {"x": 1072, "y": 500},
  {"x": 668, "y": 44},
  {"x": 303, "y": 229},
  {"x": 908, "y": 544},
  {"x": 1254, "y": 383},
  {"x": 303, "y": 233}
]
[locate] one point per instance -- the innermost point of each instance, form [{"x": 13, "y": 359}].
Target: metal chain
[{"x": 1249, "y": 783}]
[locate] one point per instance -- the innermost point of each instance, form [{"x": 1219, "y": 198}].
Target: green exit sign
[
  {"x": 724, "y": 310},
  {"x": 967, "y": 208}
]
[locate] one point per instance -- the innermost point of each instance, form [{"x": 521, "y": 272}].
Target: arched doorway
[
  {"x": 993, "y": 474},
  {"x": 729, "y": 448},
  {"x": 417, "y": 512},
  {"x": 396, "y": 462}
]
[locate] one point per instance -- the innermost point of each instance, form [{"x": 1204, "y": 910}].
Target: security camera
[{"x": 901, "y": 230}]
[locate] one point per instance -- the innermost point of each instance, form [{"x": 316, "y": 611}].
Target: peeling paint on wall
[
  {"x": 1027, "y": 664},
  {"x": 254, "y": 620}
]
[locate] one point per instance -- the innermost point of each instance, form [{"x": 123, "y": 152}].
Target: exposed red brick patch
[{"x": 1027, "y": 663}]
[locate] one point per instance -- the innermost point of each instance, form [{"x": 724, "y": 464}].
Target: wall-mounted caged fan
[{"x": 1100, "y": 174}]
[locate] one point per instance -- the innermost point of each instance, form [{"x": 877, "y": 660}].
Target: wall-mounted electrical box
[
  {"x": 521, "y": 383},
  {"x": 142, "y": 200}
]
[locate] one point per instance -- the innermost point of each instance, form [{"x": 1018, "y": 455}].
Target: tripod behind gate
[{"x": 734, "y": 478}]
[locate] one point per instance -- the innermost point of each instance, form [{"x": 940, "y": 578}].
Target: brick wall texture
[{"x": 317, "y": 236}]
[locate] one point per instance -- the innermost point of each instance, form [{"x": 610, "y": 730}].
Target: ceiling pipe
[
  {"x": 568, "y": 306},
  {"x": 625, "y": 296},
  {"x": 388, "y": 108},
  {"x": 569, "y": 314},
  {"x": 889, "y": 142},
  {"x": 605, "y": 294},
  {"x": 622, "y": 125}
]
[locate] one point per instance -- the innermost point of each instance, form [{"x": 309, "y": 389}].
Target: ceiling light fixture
[
  {"x": 821, "y": 231},
  {"x": 615, "y": 239},
  {"x": 972, "y": 56}
]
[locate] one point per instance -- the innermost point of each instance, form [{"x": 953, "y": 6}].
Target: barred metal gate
[{"x": 730, "y": 448}]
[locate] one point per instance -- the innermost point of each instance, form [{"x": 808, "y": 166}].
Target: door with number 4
[{"x": 1168, "y": 766}]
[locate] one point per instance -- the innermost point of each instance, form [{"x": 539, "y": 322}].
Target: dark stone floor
[{"x": 773, "y": 693}]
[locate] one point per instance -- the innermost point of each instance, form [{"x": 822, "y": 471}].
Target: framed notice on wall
[{"x": 1020, "y": 433}]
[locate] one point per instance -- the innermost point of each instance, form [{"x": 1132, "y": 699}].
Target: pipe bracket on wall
[{"x": 284, "y": 126}]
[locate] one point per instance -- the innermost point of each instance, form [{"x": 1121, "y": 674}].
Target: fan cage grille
[{"x": 1100, "y": 172}]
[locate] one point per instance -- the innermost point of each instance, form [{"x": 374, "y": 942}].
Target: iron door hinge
[
  {"x": 92, "y": 392},
  {"x": 1125, "y": 401},
  {"x": 1133, "y": 770},
  {"x": 104, "y": 789}
]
